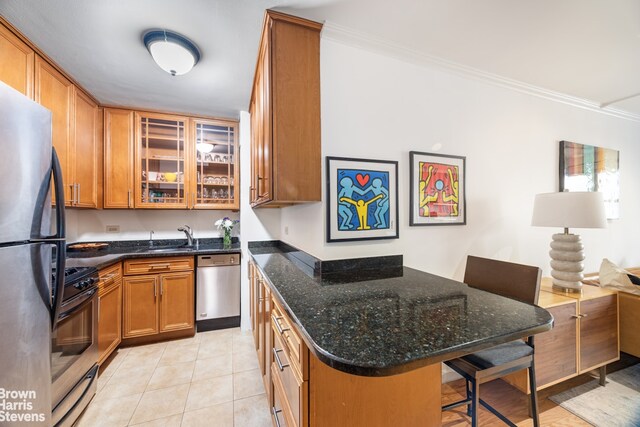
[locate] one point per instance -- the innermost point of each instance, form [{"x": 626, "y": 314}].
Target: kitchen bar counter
[
  {"x": 384, "y": 319},
  {"x": 120, "y": 250}
]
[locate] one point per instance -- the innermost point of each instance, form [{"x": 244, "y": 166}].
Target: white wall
[{"x": 381, "y": 108}]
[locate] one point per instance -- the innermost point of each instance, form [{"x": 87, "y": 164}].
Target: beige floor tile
[
  {"x": 141, "y": 367},
  {"x": 179, "y": 354},
  {"x": 147, "y": 349},
  {"x": 137, "y": 359},
  {"x": 243, "y": 343},
  {"x": 245, "y": 361},
  {"x": 102, "y": 381},
  {"x": 119, "y": 386},
  {"x": 109, "y": 412},
  {"x": 213, "y": 416},
  {"x": 210, "y": 392},
  {"x": 114, "y": 361},
  {"x": 161, "y": 403},
  {"x": 170, "y": 375},
  {"x": 252, "y": 411},
  {"x": 212, "y": 367},
  {"x": 219, "y": 333},
  {"x": 214, "y": 347},
  {"x": 172, "y": 421},
  {"x": 247, "y": 384}
]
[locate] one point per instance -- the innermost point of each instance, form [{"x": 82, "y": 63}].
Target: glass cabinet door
[
  {"x": 161, "y": 171},
  {"x": 216, "y": 163}
]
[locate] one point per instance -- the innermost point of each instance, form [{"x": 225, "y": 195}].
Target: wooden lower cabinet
[
  {"x": 304, "y": 391},
  {"x": 629, "y": 321},
  {"x": 158, "y": 303},
  {"x": 598, "y": 332},
  {"x": 176, "y": 301},
  {"x": 109, "y": 311},
  {"x": 140, "y": 296}
]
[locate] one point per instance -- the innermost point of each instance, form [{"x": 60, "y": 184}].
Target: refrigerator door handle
[{"x": 58, "y": 237}]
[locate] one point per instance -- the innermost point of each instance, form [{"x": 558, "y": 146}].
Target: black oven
[{"x": 74, "y": 347}]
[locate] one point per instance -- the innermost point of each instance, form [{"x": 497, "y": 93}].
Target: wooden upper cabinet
[
  {"x": 214, "y": 165},
  {"x": 118, "y": 158},
  {"x": 56, "y": 93},
  {"x": 285, "y": 109},
  {"x": 87, "y": 153},
  {"x": 16, "y": 62},
  {"x": 161, "y": 162}
]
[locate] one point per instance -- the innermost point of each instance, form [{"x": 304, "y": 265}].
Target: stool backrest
[{"x": 517, "y": 281}]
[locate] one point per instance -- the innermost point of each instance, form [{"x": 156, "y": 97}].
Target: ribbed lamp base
[{"x": 566, "y": 262}]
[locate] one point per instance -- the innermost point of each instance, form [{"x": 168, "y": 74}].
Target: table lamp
[{"x": 574, "y": 209}]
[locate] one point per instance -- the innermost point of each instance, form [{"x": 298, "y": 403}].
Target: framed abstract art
[
  {"x": 362, "y": 199},
  {"x": 437, "y": 189},
  {"x": 590, "y": 168}
]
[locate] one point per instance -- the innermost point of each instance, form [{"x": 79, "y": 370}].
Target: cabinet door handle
[
  {"x": 159, "y": 266},
  {"x": 275, "y": 413},
  {"x": 128, "y": 198},
  {"x": 78, "y": 194},
  {"x": 583, "y": 315},
  {"x": 575, "y": 316},
  {"x": 73, "y": 194},
  {"x": 277, "y": 359},
  {"x": 280, "y": 329},
  {"x": 155, "y": 290},
  {"x": 161, "y": 288}
]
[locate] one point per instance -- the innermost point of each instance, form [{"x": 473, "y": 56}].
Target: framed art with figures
[
  {"x": 437, "y": 189},
  {"x": 362, "y": 199}
]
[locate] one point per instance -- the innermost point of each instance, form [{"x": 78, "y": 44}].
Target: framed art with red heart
[{"x": 362, "y": 199}]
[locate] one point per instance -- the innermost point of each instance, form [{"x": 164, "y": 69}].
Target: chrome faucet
[
  {"x": 151, "y": 238},
  {"x": 188, "y": 232}
]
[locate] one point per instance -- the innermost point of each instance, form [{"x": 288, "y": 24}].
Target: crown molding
[{"x": 353, "y": 38}]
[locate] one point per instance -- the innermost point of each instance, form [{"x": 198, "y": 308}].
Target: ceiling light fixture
[{"x": 173, "y": 52}]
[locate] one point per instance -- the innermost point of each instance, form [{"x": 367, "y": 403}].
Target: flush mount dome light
[{"x": 173, "y": 52}]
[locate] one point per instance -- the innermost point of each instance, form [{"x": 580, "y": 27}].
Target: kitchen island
[{"x": 375, "y": 333}]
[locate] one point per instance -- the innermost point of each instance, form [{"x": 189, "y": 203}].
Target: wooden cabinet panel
[
  {"x": 118, "y": 158},
  {"x": 109, "y": 311},
  {"x": 140, "y": 310},
  {"x": 86, "y": 152},
  {"x": 629, "y": 322},
  {"x": 55, "y": 92},
  {"x": 176, "y": 301},
  {"x": 285, "y": 110},
  {"x": 556, "y": 352},
  {"x": 268, "y": 341},
  {"x": 109, "y": 321},
  {"x": 16, "y": 62},
  {"x": 598, "y": 332},
  {"x": 157, "y": 265},
  {"x": 294, "y": 389}
]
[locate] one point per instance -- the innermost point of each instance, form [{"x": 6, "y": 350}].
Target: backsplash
[{"x": 90, "y": 225}]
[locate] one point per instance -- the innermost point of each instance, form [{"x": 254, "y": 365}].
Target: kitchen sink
[{"x": 161, "y": 249}]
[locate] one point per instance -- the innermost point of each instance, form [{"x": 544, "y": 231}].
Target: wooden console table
[{"x": 585, "y": 336}]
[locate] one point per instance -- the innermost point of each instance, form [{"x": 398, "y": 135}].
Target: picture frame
[
  {"x": 590, "y": 168},
  {"x": 437, "y": 194},
  {"x": 362, "y": 199}
]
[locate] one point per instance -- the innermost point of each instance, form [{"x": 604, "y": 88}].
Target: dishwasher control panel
[{"x": 218, "y": 260}]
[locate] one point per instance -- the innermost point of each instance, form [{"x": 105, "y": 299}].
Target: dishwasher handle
[{"x": 218, "y": 260}]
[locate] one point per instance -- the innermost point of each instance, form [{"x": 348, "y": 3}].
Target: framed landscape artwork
[
  {"x": 362, "y": 199},
  {"x": 437, "y": 189},
  {"x": 590, "y": 168}
]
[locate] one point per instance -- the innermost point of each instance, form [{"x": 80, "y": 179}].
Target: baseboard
[{"x": 220, "y": 323}]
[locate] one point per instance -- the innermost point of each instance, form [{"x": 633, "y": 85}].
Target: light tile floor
[{"x": 209, "y": 380}]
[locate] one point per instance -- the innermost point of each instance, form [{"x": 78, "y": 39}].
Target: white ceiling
[{"x": 589, "y": 49}]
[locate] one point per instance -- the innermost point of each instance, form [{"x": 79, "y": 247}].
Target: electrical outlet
[
  {"x": 112, "y": 228},
  {"x": 286, "y": 230}
]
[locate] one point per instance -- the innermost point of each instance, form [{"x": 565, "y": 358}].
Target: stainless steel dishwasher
[{"x": 218, "y": 292}]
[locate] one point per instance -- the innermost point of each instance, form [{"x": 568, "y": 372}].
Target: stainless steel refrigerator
[{"x": 28, "y": 299}]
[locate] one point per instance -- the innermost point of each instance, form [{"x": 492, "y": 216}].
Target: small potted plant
[{"x": 226, "y": 224}]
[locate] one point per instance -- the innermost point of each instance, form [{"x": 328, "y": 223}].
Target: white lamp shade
[{"x": 570, "y": 209}]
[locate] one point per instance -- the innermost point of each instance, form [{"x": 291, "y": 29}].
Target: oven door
[{"x": 74, "y": 348}]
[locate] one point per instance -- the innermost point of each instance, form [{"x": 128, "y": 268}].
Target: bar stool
[{"x": 516, "y": 281}]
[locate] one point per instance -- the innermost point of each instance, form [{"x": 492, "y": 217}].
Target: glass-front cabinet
[
  {"x": 162, "y": 162},
  {"x": 214, "y": 178}
]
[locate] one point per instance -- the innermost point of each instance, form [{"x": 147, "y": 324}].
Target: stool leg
[
  {"x": 475, "y": 402},
  {"x": 468, "y": 397},
  {"x": 534, "y": 395}
]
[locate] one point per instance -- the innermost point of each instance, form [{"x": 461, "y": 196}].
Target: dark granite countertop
[
  {"x": 126, "y": 249},
  {"x": 384, "y": 321}
]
